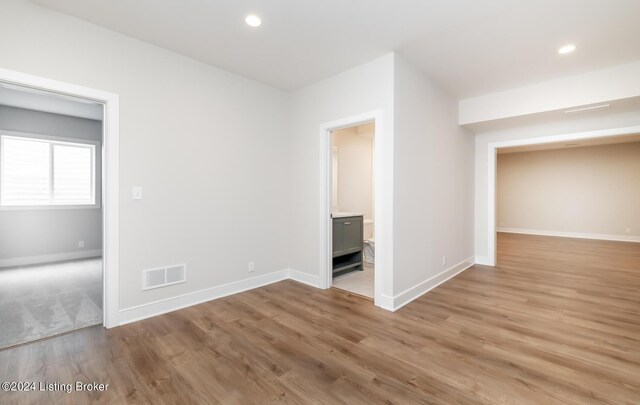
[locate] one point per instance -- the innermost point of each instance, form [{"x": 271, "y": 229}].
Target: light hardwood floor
[{"x": 557, "y": 322}]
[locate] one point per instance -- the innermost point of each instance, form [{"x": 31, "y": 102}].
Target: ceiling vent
[
  {"x": 593, "y": 107},
  {"x": 163, "y": 277}
]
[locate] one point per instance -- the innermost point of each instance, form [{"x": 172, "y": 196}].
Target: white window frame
[{"x": 55, "y": 140}]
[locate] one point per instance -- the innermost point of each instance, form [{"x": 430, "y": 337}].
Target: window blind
[
  {"x": 25, "y": 172},
  {"x": 72, "y": 174},
  {"x": 43, "y": 172}
]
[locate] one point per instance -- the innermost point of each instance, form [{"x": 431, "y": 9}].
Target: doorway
[
  {"x": 353, "y": 209},
  {"x": 383, "y": 203},
  {"x": 609, "y": 136},
  {"x": 51, "y": 276},
  {"x": 572, "y": 194},
  {"x": 73, "y": 173}
]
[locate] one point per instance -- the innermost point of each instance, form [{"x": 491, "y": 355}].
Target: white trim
[
  {"x": 305, "y": 278},
  {"x": 424, "y": 287},
  {"x": 491, "y": 171},
  {"x": 155, "y": 308},
  {"x": 578, "y": 235},
  {"x": 48, "y": 207},
  {"x": 383, "y": 201},
  {"x": 491, "y": 201},
  {"x": 483, "y": 260},
  {"x": 386, "y": 302},
  {"x": 52, "y": 258},
  {"x": 110, "y": 176}
]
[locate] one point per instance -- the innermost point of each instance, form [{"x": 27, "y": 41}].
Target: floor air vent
[{"x": 165, "y": 276}]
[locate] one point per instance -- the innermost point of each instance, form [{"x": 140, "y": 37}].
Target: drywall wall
[
  {"x": 592, "y": 190},
  {"x": 605, "y": 85},
  {"x": 230, "y": 167},
  {"x": 363, "y": 89},
  {"x": 26, "y": 234},
  {"x": 210, "y": 148},
  {"x": 355, "y": 169},
  {"x": 587, "y": 122},
  {"x": 433, "y": 181}
]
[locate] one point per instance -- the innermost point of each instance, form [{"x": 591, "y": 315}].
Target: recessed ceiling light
[
  {"x": 253, "y": 20},
  {"x": 567, "y": 49}
]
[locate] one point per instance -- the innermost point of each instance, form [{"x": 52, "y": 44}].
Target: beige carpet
[{"x": 46, "y": 300}]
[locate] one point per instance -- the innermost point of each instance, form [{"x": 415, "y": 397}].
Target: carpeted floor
[{"x": 46, "y": 300}]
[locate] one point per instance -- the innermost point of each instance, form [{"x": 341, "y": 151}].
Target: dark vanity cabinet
[{"x": 347, "y": 244}]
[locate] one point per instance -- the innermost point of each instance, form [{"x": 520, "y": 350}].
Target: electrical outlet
[
  {"x": 252, "y": 267},
  {"x": 628, "y": 230},
  {"x": 444, "y": 260},
  {"x": 80, "y": 243}
]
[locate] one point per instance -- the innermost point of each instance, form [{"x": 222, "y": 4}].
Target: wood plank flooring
[{"x": 556, "y": 322}]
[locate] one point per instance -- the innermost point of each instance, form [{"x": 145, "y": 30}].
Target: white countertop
[{"x": 346, "y": 214}]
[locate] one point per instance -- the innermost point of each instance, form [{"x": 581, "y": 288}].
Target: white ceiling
[
  {"x": 21, "y": 97},
  {"x": 471, "y": 46}
]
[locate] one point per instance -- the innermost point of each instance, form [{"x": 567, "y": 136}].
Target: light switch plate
[{"x": 136, "y": 193}]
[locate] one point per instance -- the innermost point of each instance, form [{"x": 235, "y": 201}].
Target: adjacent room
[
  {"x": 567, "y": 220},
  {"x": 588, "y": 189},
  {"x": 50, "y": 215},
  {"x": 353, "y": 198},
  {"x": 575, "y": 202},
  {"x": 327, "y": 202}
]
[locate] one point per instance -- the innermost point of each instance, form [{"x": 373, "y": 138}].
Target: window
[{"x": 42, "y": 172}]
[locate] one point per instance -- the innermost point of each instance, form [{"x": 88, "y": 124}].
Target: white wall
[
  {"x": 231, "y": 168},
  {"x": 587, "y": 123},
  {"x": 363, "y": 89},
  {"x": 210, "y": 148},
  {"x": 432, "y": 171},
  {"x": 605, "y": 85},
  {"x": 433, "y": 181},
  {"x": 355, "y": 170},
  {"x": 591, "y": 190},
  {"x": 28, "y": 234}
]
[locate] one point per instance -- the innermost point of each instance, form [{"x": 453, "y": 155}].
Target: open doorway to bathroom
[
  {"x": 353, "y": 209},
  {"x": 51, "y": 214}
]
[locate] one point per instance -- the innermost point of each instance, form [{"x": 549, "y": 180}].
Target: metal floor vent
[{"x": 165, "y": 276}]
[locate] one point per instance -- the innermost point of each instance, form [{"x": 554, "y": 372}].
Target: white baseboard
[
  {"x": 484, "y": 260},
  {"x": 167, "y": 305},
  {"x": 151, "y": 309},
  {"x": 385, "y": 302},
  {"x": 305, "y": 278},
  {"x": 579, "y": 235},
  {"x": 56, "y": 257},
  {"x": 415, "y": 292}
]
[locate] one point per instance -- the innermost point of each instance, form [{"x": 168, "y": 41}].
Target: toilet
[{"x": 369, "y": 242}]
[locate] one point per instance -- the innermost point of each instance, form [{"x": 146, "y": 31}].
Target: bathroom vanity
[{"x": 347, "y": 242}]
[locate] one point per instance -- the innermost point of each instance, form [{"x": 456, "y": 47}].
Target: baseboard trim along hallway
[
  {"x": 577, "y": 235},
  {"x": 52, "y": 258},
  {"x": 424, "y": 287},
  {"x": 155, "y": 308}
]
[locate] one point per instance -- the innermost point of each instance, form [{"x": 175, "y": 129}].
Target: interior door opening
[
  {"x": 574, "y": 192},
  {"x": 51, "y": 214},
  {"x": 353, "y": 216}
]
